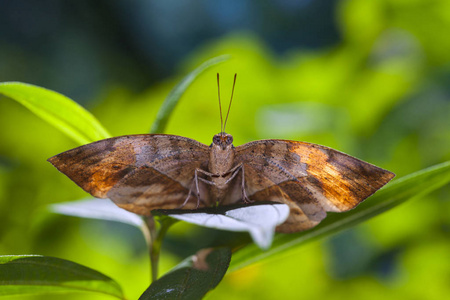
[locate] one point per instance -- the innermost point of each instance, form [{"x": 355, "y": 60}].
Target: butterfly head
[{"x": 223, "y": 140}]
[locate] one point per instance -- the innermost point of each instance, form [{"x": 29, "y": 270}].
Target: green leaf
[
  {"x": 58, "y": 110},
  {"x": 100, "y": 209},
  {"x": 192, "y": 278},
  {"x": 175, "y": 94},
  {"x": 259, "y": 221},
  {"x": 34, "y": 274},
  {"x": 415, "y": 185}
]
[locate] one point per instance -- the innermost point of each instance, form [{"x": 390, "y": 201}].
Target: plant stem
[{"x": 154, "y": 240}]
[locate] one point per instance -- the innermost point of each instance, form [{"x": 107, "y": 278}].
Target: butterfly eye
[
  {"x": 229, "y": 139},
  {"x": 216, "y": 140}
]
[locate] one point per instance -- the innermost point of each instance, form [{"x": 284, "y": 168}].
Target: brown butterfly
[{"x": 141, "y": 173}]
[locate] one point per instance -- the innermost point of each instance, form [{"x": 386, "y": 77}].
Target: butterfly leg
[
  {"x": 234, "y": 171},
  {"x": 187, "y": 198},
  {"x": 244, "y": 193},
  {"x": 196, "y": 179},
  {"x": 195, "y": 182}
]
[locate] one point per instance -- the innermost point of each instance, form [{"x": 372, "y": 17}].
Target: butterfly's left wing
[
  {"x": 310, "y": 178},
  {"x": 139, "y": 173}
]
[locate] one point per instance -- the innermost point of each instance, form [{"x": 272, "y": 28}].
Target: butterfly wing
[
  {"x": 310, "y": 178},
  {"x": 138, "y": 172}
]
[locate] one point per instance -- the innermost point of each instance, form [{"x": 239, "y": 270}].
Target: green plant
[{"x": 39, "y": 274}]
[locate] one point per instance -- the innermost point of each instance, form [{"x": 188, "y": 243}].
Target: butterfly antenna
[
  {"x": 229, "y": 106},
  {"x": 220, "y": 104}
]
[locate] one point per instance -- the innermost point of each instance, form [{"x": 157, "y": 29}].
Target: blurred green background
[{"x": 370, "y": 78}]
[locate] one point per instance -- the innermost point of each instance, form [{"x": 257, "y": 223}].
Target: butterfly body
[{"x": 221, "y": 161}]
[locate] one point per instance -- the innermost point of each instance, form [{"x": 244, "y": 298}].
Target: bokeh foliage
[{"x": 381, "y": 94}]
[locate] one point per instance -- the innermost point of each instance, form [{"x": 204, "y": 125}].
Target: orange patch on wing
[{"x": 335, "y": 186}]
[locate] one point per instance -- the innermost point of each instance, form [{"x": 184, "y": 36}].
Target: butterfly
[{"x": 145, "y": 172}]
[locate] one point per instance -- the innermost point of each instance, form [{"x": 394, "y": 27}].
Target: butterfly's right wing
[
  {"x": 139, "y": 173},
  {"x": 311, "y": 179}
]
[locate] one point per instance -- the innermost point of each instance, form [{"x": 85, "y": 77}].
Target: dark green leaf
[
  {"x": 58, "y": 110},
  {"x": 34, "y": 274},
  {"x": 193, "y": 278},
  {"x": 415, "y": 185},
  {"x": 174, "y": 96}
]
